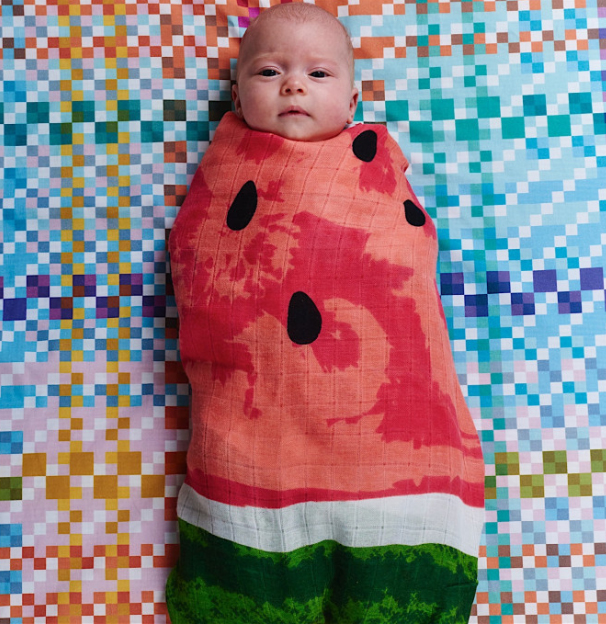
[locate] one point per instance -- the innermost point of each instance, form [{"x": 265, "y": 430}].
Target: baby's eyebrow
[{"x": 276, "y": 56}]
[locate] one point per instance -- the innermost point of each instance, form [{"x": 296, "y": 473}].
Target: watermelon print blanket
[{"x": 334, "y": 471}]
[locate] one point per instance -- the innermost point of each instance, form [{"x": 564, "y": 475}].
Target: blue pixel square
[
  {"x": 11, "y": 442},
  {"x": 10, "y": 581},
  {"x": 476, "y": 305},
  {"x": 557, "y": 509},
  {"x": 522, "y": 303},
  {"x": 498, "y": 282},
  {"x": 599, "y": 507},
  {"x": 11, "y": 536},
  {"x": 15, "y": 309},
  {"x": 452, "y": 284}
]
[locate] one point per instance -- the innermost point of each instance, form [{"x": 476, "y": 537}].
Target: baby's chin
[{"x": 297, "y": 131}]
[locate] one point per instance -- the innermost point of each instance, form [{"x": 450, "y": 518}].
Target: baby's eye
[
  {"x": 268, "y": 72},
  {"x": 318, "y": 74}
]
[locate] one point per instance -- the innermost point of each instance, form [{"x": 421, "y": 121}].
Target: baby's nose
[{"x": 293, "y": 84}]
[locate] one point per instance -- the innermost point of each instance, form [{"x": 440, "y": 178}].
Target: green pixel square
[
  {"x": 38, "y": 112},
  {"x": 467, "y": 130},
  {"x": 442, "y": 109},
  {"x": 598, "y": 460},
  {"x": 196, "y": 131},
  {"x": 152, "y": 132},
  {"x": 15, "y": 135},
  {"x": 513, "y": 127},
  {"x": 532, "y": 486},
  {"x": 60, "y": 134},
  {"x": 176, "y": 110},
  {"x": 11, "y": 488},
  {"x": 580, "y": 103},
  {"x": 555, "y": 462},
  {"x": 421, "y": 132},
  {"x": 558, "y": 125},
  {"x": 106, "y": 132},
  {"x": 580, "y": 484},
  {"x": 489, "y": 107},
  {"x": 507, "y": 463},
  {"x": 396, "y": 110},
  {"x": 490, "y": 488},
  {"x": 83, "y": 111},
  {"x": 216, "y": 109},
  {"x": 129, "y": 110},
  {"x": 599, "y": 123}
]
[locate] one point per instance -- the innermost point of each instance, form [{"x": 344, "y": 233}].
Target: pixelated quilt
[{"x": 105, "y": 111}]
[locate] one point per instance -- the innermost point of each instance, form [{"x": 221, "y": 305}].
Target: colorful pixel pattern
[{"x": 106, "y": 108}]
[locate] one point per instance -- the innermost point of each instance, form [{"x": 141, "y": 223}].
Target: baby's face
[{"x": 295, "y": 80}]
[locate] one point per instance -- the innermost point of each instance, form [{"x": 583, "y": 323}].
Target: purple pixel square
[
  {"x": 108, "y": 307},
  {"x": 154, "y": 306},
  {"x": 38, "y": 286},
  {"x": 592, "y": 278},
  {"x": 570, "y": 302},
  {"x": 61, "y": 308},
  {"x": 131, "y": 285},
  {"x": 84, "y": 285},
  {"x": 545, "y": 281},
  {"x": 135, "y": 279},
  {"x": 244, "y": 22}
]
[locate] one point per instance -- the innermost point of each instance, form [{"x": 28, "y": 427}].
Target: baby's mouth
[{"x": 294, "y": 111}]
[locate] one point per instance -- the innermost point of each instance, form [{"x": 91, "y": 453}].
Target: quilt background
[{"x": 105, "y": 111}]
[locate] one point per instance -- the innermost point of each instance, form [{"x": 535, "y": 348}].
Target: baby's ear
[
  {"x": 353, "y": 103},
  {"x": 236, "y": 99}
]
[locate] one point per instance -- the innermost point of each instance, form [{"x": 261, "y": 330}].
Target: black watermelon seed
[
  {"x": 414, "y": 215},
  {"x": 364, "y": 146},
  {"x": 304, "y": 319},
  {"x": 243, "y": 207}
]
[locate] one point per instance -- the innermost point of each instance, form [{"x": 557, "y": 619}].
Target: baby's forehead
[{"x": 258, "y": 35}]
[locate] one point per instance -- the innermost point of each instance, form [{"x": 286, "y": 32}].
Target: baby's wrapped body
[{"x": 334, "y": 472}]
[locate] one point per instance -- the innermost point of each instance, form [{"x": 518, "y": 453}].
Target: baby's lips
[{"x": 294, "y": 110}]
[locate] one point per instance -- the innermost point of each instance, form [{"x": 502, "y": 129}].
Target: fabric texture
[{"x": 327, "y": 418}]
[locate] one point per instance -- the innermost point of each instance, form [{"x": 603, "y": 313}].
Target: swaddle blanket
[{"x": 334, "y": 471}]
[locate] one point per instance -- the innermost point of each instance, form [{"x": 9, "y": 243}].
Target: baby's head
[{"x": 295, "y": 74}]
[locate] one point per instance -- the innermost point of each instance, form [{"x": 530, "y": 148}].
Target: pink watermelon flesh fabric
[{"x": 311, "y": 327}]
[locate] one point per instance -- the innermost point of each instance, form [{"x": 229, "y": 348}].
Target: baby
[
  {"x": 295, "y": 74},
  {"x": 334, "y": 473}
]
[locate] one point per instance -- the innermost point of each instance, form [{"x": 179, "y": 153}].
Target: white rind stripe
[{"x": 409, "y": 520}]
